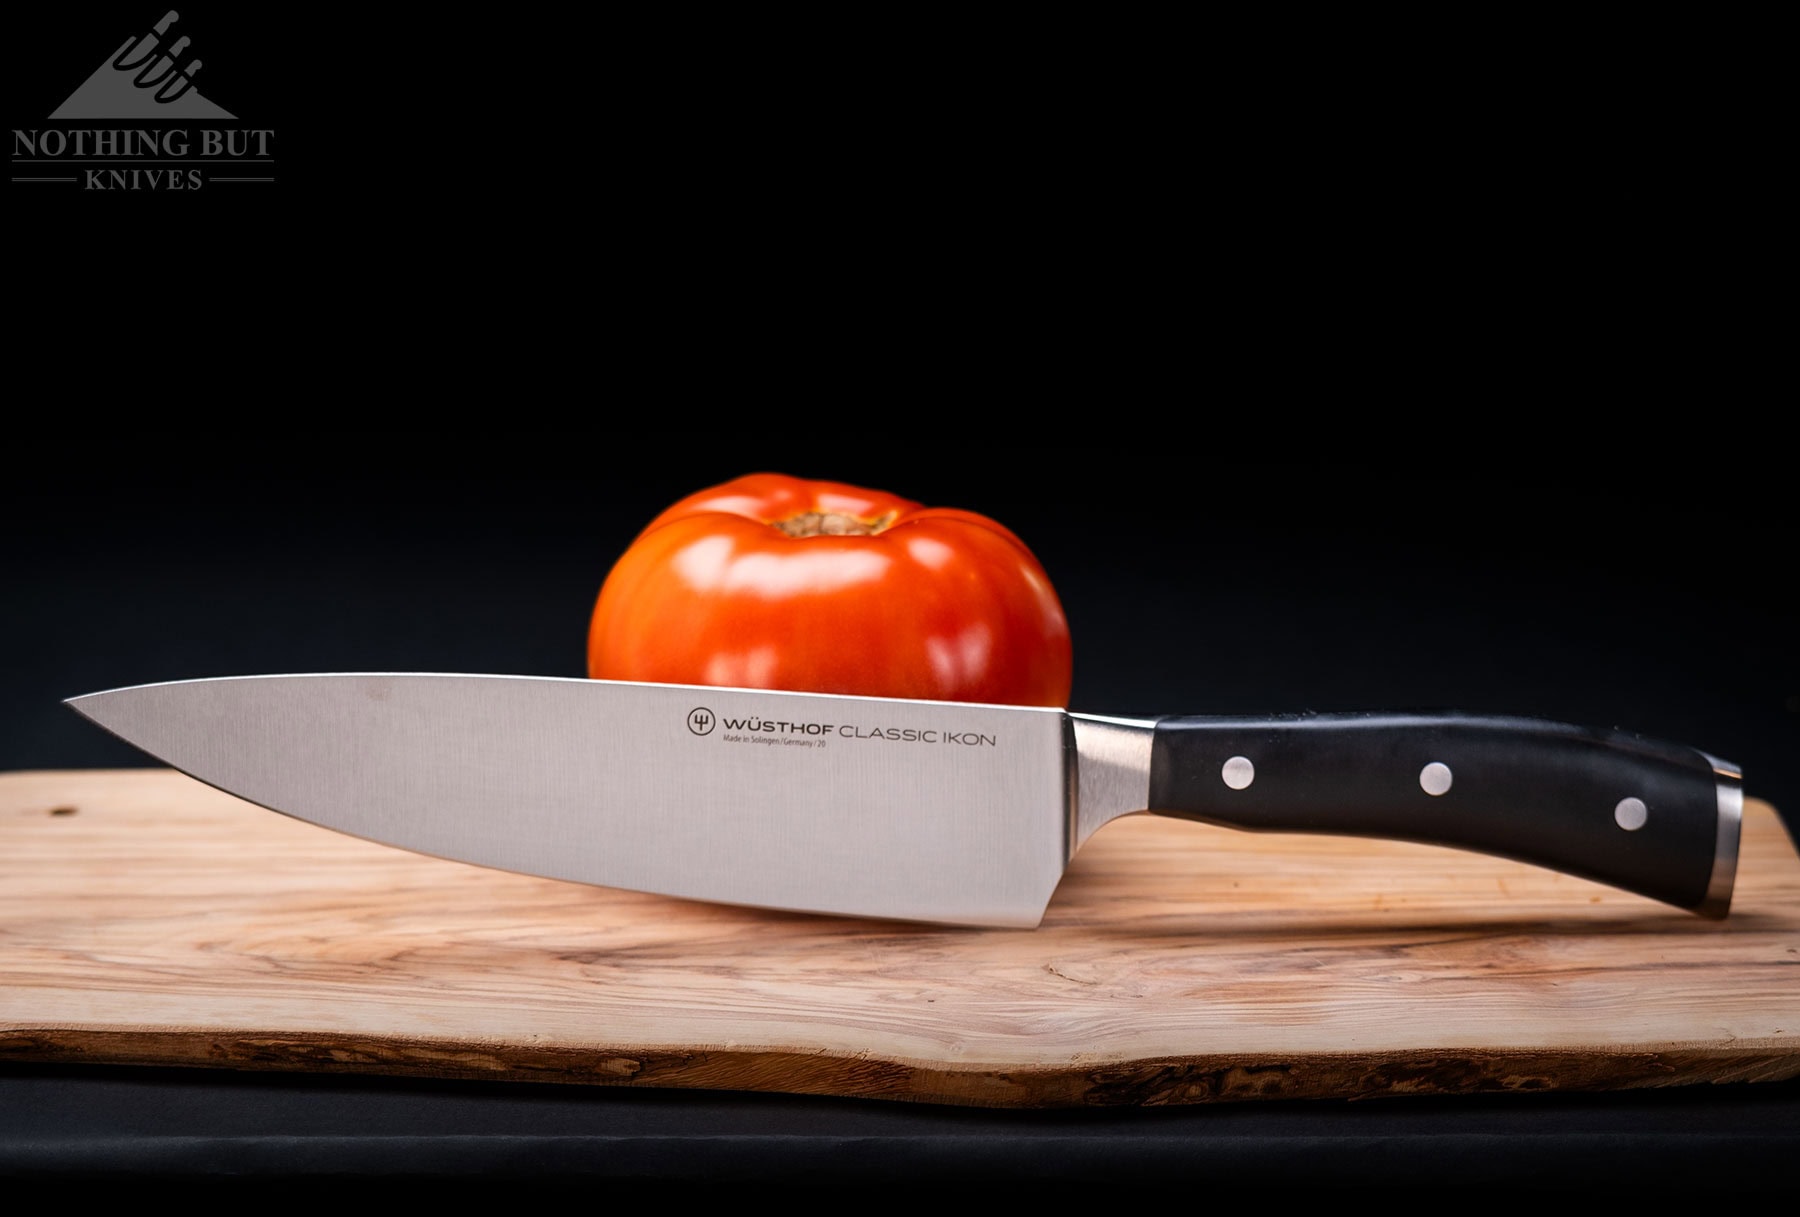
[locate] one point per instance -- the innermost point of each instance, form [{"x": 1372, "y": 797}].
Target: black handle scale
[{"x": 1535, "y": 791}]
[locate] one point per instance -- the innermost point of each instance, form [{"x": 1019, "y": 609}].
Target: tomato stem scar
[{"x": 832, "y": 524}]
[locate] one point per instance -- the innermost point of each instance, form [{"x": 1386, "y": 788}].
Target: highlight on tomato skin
[{"x": 777, "y": 582}]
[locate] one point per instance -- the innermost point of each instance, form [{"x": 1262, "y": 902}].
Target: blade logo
[
  {"x": 700, "y": 720},
  {"x": 150, "y": 76},
  {"x": 762, "y": 730}
]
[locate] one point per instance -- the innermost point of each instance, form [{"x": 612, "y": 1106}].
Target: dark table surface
[
  {"x": 117, "y": 1126},
  {"x": 1656, "y": 607}
]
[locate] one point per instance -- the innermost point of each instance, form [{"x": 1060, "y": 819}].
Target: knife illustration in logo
[{"x": 145, "y": 78}]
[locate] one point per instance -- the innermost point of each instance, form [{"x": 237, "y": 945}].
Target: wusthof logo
[
  {"x": 765, "y": 730},
  {"x": 150, "y": 77}
]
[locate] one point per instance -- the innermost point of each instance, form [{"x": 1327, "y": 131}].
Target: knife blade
[{"x": 940, "y": 812}]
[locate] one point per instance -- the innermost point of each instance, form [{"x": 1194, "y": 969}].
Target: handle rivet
[
  {"x": 1435, "y": 778},
  {"x": 1238, "y": 772},
  {"x": 1631, "y": 814}
]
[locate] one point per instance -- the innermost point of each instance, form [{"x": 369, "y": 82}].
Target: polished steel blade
[{"x": 930, "y": 811}]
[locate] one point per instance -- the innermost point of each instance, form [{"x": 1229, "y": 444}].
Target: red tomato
[{"x": 775, "y": 582}]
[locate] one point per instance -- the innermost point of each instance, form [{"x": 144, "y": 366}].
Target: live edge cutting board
[{"x": 146, "y": 918}]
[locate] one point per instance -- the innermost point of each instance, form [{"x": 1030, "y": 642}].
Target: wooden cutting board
[{"x": 146, "y": 918}]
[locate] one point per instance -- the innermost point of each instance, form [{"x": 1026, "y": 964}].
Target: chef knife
[{"x": 943, "y": 812}]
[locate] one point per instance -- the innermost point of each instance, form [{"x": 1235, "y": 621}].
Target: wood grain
[{"x": 146, "y": 918}]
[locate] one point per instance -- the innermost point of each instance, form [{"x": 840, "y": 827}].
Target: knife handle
[{"x": 1653, "y": 818}]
